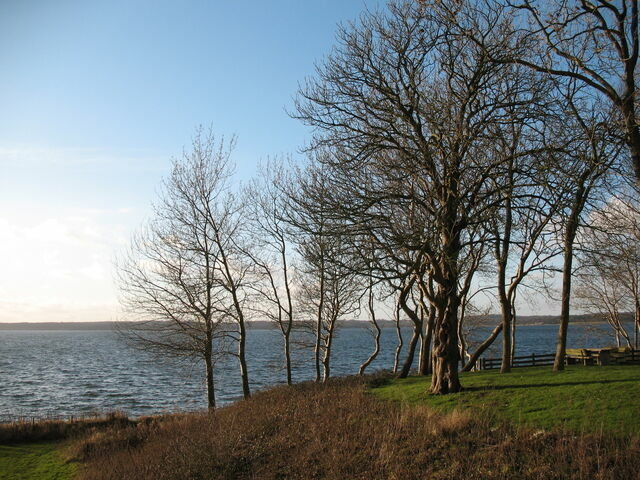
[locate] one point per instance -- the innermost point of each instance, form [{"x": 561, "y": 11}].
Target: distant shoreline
[{"x": 486, "y": 321}]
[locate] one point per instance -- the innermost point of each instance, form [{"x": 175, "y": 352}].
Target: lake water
[{"x": 65, "y": 373}]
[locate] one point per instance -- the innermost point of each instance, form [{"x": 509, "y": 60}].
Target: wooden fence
[
  {"x": 533, "y": 360},
  {"x": 576, "y": 356}
]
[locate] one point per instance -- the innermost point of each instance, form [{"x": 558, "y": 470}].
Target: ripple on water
[{"x": 96, "y": 371}]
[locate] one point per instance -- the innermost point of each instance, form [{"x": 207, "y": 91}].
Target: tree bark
[
  {"x": 396, "y": 357},
  {"x": 561, "y": 345},
  {"x": 417, "y": 328},
  {"x": 376, "y": 350},
  {"x": 482, "y": 347},
  {"x": 408, "y": 361},
  {"x": 326, "y": 359},
  {"x": 425, "y": 366},
  {"x": 208, "y": 360},
  {"x": 287, "y": 356},
  {"x": 505, "y": 367},
  {"x": 446, "y": 354},
  {"x": 244, "y": 375}
]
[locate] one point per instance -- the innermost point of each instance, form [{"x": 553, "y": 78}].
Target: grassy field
[
  {"x": 582, "y": 399},
  {"x": 349, "y": 429},
  {"x": 34, "y": 461},
  {"x": 33, "y": 450},
  {"x": 340, "y": 430}
]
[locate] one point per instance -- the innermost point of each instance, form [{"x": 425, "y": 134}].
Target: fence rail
[
  {"x": 584, "y": 356},
  {"x": 533, "y": 360}
]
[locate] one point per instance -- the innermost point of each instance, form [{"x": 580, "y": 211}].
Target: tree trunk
[
  {"x": 396, "y": 358},
  {"x": 326, "y": 359},
  {"x": 318, "y": 346},
  {"x": 636, "y": 323},
  {"x": 287, "y": 356},
  {"x": 631, "y": 126},
  {"x": 505, "y": 367},
  {"x": 376, "y": 350},
  {"x": 417, "y": 328},
  {"x": 514, "y": 327},
  {"x": 289, "y": 325},
  {"x": 211, "y": 395},
  {"x": 425, "y": 365},
  {"x": 561, "y": 346},
  {"x": 446, "y": 354},
  {"x": 406, "y": 366},
  {"x": 246, "y": 392},
  {"x": 482, "y": 347}
]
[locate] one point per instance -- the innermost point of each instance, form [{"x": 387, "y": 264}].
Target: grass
[
  {"x": 341, "y": 430},
  {"x": 34, "y": 461},
  {"x": 36, "y": 449},
  {"x": 580, "y": 399},
  {"x": 338, "y": 431}
]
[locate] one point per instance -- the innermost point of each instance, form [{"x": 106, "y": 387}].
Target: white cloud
[{"x": 56, "y": 261}]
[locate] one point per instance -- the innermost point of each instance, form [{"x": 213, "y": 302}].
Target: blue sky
[{"x": 97, "y": 96}]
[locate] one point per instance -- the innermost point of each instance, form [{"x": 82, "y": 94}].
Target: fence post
[{"x": 533, "y": 359}]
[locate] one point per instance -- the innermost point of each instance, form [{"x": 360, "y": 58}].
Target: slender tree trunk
[
  {"x": 425, "y": 366},
  {"x": 326, "y": 359},
  {"x": 633, "y": 131},
  {"x": 406, "y": 366},
  {"x": 318, "y": 346},
  {"x": 396, "y": 358},
  {"x": 636, "y": 325},
  {"x": 561, "y": 346},
  {"x": 372, "y": 314},
  {"x": 501, "y": 251},
  {"x": 417, "y": 328},
  {"x": 514, "y": 327},
  {"x": 482, "y": 347},
  {"x": 246, "y": 392},
  {"x": 289, "y": 325},
  {"x": 287, "y": 355},
  {"x": 208, "y": 360},
  {"x": 505, "y": 367},
  {"x": 242, "y": 331}
]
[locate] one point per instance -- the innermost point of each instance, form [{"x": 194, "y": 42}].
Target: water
[{"x": 70, "y": 373}]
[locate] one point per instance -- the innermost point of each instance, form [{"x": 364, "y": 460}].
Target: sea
[{"x": 71, "y": 373}]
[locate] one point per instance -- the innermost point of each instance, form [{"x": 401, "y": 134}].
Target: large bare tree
[
  {"x": 182, "y": 275},
  {"x": 407, "y": 98}
]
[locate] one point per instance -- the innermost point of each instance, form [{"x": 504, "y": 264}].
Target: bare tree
[
  {"x": 608, "y": 276},
  {"x": 181, "y": 276},
  {"x": 594, "y": 43},
  {"x": 270, "y": 252},
  {"x": 370, "y": 299},
  {"x": 582, "y": 166},
  {"x": 407, "y": 100},
  {"x": 329, "y": 286}
]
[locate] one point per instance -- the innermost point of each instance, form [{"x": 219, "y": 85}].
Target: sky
[{"x": 95, "y": 99}]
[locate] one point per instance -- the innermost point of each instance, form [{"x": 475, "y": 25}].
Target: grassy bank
[
  {"x": 340, "y": 430},
  {"x": 35, "y": 461},
  {"x": 37, "y": 450},
  {"x": 349, "y": 429},
  {"x": 581, "y": 399}
]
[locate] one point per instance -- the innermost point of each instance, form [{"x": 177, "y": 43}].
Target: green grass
[
  {"x": 581, "y": 399},
  {"x": 34, "y": 461}
]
